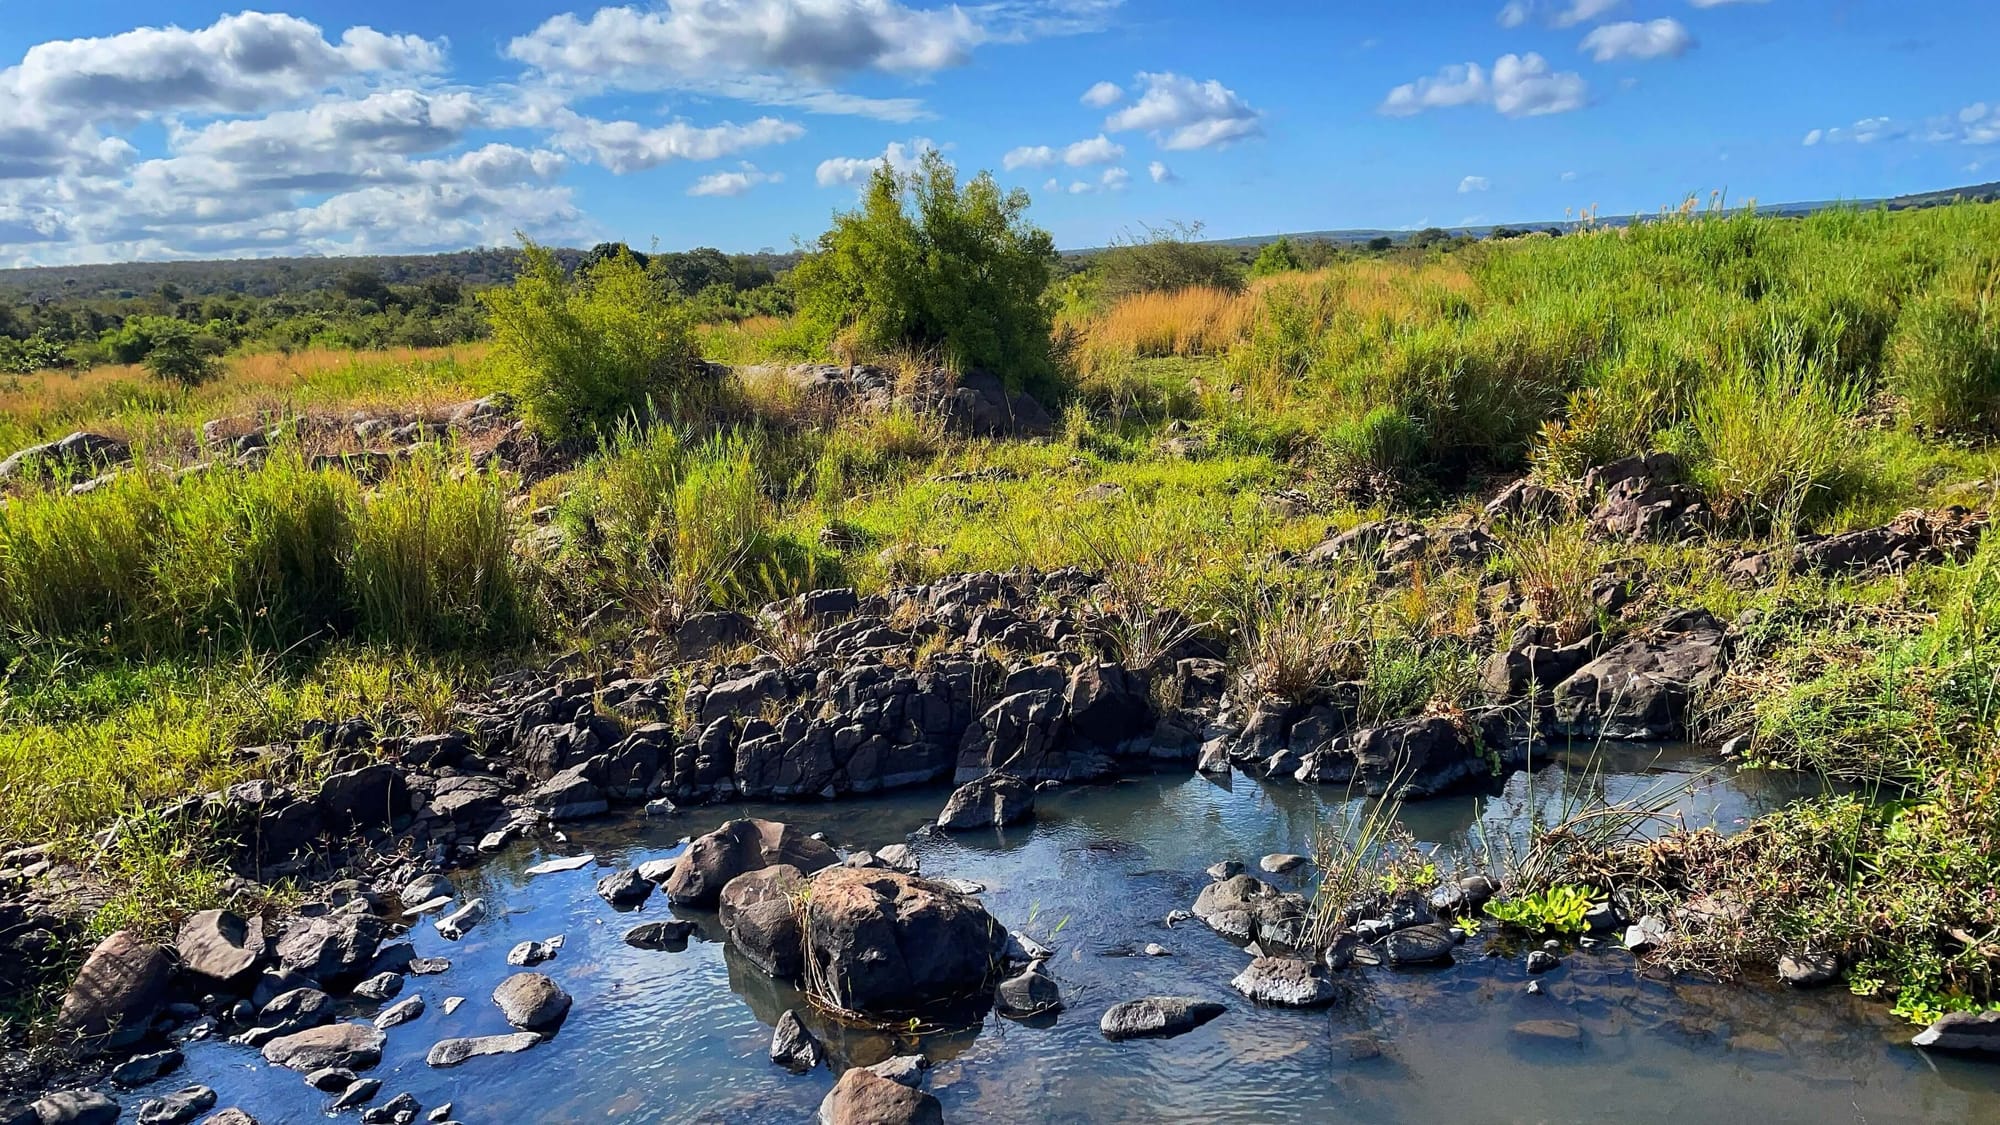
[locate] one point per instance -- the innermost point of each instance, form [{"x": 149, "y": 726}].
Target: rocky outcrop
[
  {"x": 739, "y": 846},
  {"x": 1646, "y": 498},
  {"x": 1074, "y": 728},
  {"x": 883, "y": 942},
  {"x": 1640, "y": 687},
  {"x": 121, "y": 985},
  {"x": 80, "y": 452},
  {"x": 996, "y": 800},
  {"x": 1913, "y": 538},
  {"x": 1244, "y": 908},
  {"x": 759, "y": 910},
  {"x": 1285, "y": 982},
  {"x": 337, "y": 950}
]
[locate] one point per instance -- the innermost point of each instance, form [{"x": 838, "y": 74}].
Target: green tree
[
  {"x": 1165, "y": 259},
  {"x": 179, "y": 356},
  {"x": 584, "y": 353},
  {"x": 1276, "y": 257},
  {"x": 927, "y": 263}
]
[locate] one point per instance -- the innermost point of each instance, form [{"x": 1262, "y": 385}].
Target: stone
[
  {"x": 624, "y": 889},
  {"x": 451, "y": 1052},
  {"x": 332, "y": 1080},
  {"x": 399, "y": 1013},
  {"x": 1227, "y": 869},
  {"x": 1640, "y": 687},
  {"x": 1805, "y": 969},
  {"x": 993, "y": 801},
  {"x": 1428, "y": 944},
  {"x": 121, "y": 986},
  {"x": 460, "y": 922},
  {"x": 1548, "y": 1032},
  {"x": 380, "y": 988},
  {"x": 759, "y": 910},
  {"x": 425, "y": 888},
  {"x": 1157, "y": 1017},
  {"x": 739, "y": 846},
  {"x": 532, "y": 1002},
  {"x": 1285, "y": 982},
  {"x": 1245, "y": 908},
  {"x": 1541, "y": 961},
  {"x": 528, "y": 954},
  {"x": 177, "y": 1108},
  {"x": 1647, "y": 933},
  {"x": 348, "y": 1046},
  {"x": 885, "y": 942},
  {"x": 567, "y": 863},
  {"x": 1028, "y": 993},
  {"x": 661, "y": 935},
  {"x": 862, "y": 1097},
  {"x": 1972, "y": 1032},
  {"x": 230, "y": 1116},
  {"x": 792, "y": 1046},
  {"x": 359, "y": 1093},
  {"x": 336, "y": 950},
  {"x": 900, "y": 857},
  {"x": 906, "y": 1069},
  {"x": 370, "y": 797},
  {"x": 141, "y": 1069},
  {"x": 1280, "y": 863},
  {"x": 220, "y": 947},
  {"x": 76, "y": 1107}
]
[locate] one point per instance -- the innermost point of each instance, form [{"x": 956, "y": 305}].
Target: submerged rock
[
  {"x": 1029, "y": 993},
  {"x": 1976, "y": 1032},
  {"x": 1157, "y": 1017},
  {"x": 862, "y": 1097},
  {"x": 451, "y": 1052},
  {"x": 75, "y": 1107},
  {"x": 792, "y": 1046},
  {"x": 993, "y": 801}
]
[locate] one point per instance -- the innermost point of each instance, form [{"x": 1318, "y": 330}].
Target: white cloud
[
  {"x": 627, "y": 146},
  {"x": 1514, "y": 14},
  {"x": 1115, "y": 179},
  {"x": 1813, "y": 137},
  {"x": 1653, "y": 39},
  {"x": 1584, "y": 11},
  {"x": 1053, "y": 184},
  {"x": 1474, "y": 183},
  {"x": 1081, "y": 188},
  {"x": 732, "y": 184},
  {"x": 1103, "y": 95},
  {"x": 851, "y": 170},
  {"x": 1183, "y": 114},
  {"x": 1161, "y": 173},
  {"x": 1866, "y": 131},
  {"x": 1567, "y": 177},
  {"x": 1028, "y": 156},
  {"x": 1517, "y": 86},
  {"x": 1720, "y": 3},
  {"x": 1099, "y": 149}
]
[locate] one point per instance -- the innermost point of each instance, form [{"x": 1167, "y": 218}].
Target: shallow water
[{"x": 660, "y": 1037}]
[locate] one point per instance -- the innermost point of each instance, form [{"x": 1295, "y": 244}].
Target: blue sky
[{"x": 168, "y": 129}]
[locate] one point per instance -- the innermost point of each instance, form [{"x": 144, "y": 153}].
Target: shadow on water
[{"x": 684, "y": 1036}]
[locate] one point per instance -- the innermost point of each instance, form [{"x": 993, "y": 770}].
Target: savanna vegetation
[{"x": 1215, "y": 418}]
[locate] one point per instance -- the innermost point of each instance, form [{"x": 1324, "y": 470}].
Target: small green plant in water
[
  {"x": 1560, "y": 909},
  {"x": 1468, "y": 925}
]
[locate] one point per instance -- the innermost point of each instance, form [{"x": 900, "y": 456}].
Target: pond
[{"x": 684, "y": 1036}]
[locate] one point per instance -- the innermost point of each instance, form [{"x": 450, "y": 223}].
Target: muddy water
[{"x": 673, "y": 1037}]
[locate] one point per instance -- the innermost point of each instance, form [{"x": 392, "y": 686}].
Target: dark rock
[
  {"x": 792, "y": 1046},
  {"x": 76, "y": 1107},
  {"x": 141, "y": 1069},
  {"x": 624, "y": 889},
  {"x": 994, "y": 800},
  {"x": 451, "y": 1052},
  {"x": 883, "y": 941},
  {"x": 1246, "y": 908},
  {"x": 711, "y": 861},
  {"x": 574, "y": 793},
  {"x": 332, "y": 1080},
  {"x": 1157, "y": 1017},
  {"x": 400, "y": 1013},
  {"x": 230, "y": 1116},
  {"x": 1286, "y": 982},
  {"x": 1426, "y": 756},
  {"x": 528, "y": 954},
  {"x": 532, "y": 1002},
  {"x": 380, "y": 988},
  {"x": 1227, "y": 869},
  {"x": 905, "y": 1069},
  {"x": 1028, "y": 993},
  {"x": 221, "y": 947},
  {"x": 336, "y": 950},
  {"x": 359, "y": 1093},
  {"x": 671, "y": 935},
  {"x": 1541, "y": 961},
  {"x": 1428, "y": 944},
  {"x": 119, "y": 989},
  {"x": 346, "y": 1046},
  {"x": 1641, "y": 686},
  {"x": 759, "y": 910},
  {"x": 862, "y": 1097},
  {"x": 461, "y": 921},
  {"x": 80, "y": 450},
  {"x": 1806, "y": 969},
  {"x": 371, "y": 797},
  {"x": 1972, "y": 1032}
]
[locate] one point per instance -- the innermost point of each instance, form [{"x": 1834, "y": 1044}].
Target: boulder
[
  {"x": 451, "y": 1052},
  {"x": 1972, "y": 1032},
  {"x": 75, "y": 1107},
  {"x": 792, "y": 1046},
  {"x": 80, "y": 450},
  {"x": 671, "y": 935},
  {"x": 1245, "y": 908},
  {"x": 1028, "y": 993},
  {"x": 528, "y": 954},
  {"x": 346, "y": 1046},
  {"x": 885, "y": 942},
  {"x": 1429, "y": 755},
  {"x": 1157, "y": 1017},
  {"x": 862, "y": 1097},
  {"x": 759, "y": 911},
  {"x": 995, "y": 800},
  {"x": 296, "y": 1010},
  {"x": 1285, "y": 982},
  {"x": 1427, "y": 944},
  {"x": 177, "y": 1108},
  {"x": 334, "y": 949},
  {"x": 371, "y": 797},
  {"x": 221, "y": 947},
  {"x": 121, "y": 985},
  {"x": 141, "y": 1069},
  {"x": 1640, "y": 688},
  {"x": 379, "y": 988},
  {"x": 711, "y": 861},
  {"x": 532, "y": 1002},
  {"x": 624, "y": 889}
]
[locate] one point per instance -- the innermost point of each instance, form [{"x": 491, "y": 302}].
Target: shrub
[
  {"x": 1165, "y": 259},
  {"x": 433, "y": 561},
  {"x": 1276, "y": 257},
  {"x": 928, "y": 264},
  {"x": 178, "y": 356},
  {"x": 1777, "y": 443},
  {"x": 585, "y": 352},
  {"x": 1945, "y": 360}
]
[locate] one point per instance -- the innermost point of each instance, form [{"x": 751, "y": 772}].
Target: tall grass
[
  {"x": 1776, "y": 439},
  {"x": 433, "y": 561}
]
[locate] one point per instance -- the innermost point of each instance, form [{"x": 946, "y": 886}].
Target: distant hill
[{"x": 268, "y": 277}]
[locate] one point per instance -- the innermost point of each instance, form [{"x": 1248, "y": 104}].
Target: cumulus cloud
[
  {"x": 851, "y": 170},
  {"x": 1584, "y": 11},
  {"x": 1473, "y": 183},
  {"x": 1028, "y": 156},
  {"x": 1517, "y": 86},
  {"x": 1183, "y": 114},
  {"x": 628, "y": 146},
  {"x": 732, "y": 184},
  {"x": 1099, "y": 149},
  {"x": 1104, "y": 95},
  {"x": 1115, "y": 179},
  {"x": 1161, "y": 173},
  {"x": 1513, "y": 15},
  {"x": 1654, "y": 39}
]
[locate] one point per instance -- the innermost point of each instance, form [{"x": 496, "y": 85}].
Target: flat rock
[
  {"x": 220, "y": 946},
  {"x": 1808, "y": 970},
  {"x": 1285, "y": 982},
  {"x": 1428, "y": 944},
  {"x": 379, "y": 988},
  {"x": 177, "y": 1108},
  {"x": 460, "y": 922},
  {"x": 76, "y": 1107},
  {"x": 141, "y": 1069},
  {"x": 1559, "y": 1032},
  {"x": 672, "y": 936},
  {"x": 400, "y": 1013},
  {"x": 569, "y": 863},
  {"x": 348, "y": 1046},
  {"x": 1157, "y": 1017},
  {"x": 452, "y": 1052}
]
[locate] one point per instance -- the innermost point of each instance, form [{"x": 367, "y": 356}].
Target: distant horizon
[{"x": 164, "y": 131}]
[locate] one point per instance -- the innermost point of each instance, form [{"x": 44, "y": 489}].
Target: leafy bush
[
  {"x": 178, "y": 356},
  {"x": 1276, "y": 257},
  {"x": 1945, "y": 360},
  {"x": 585, "y": 352},
  {"x": 1559, "y": 910},
  {"x": 1163, "y": 260},
  {"x": 928, "y": 264}
]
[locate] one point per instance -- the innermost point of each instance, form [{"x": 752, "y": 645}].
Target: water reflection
[{"x": 659, "y": 1036}]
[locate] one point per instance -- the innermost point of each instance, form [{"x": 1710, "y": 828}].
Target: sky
[{"x": 166, "y": 129}]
